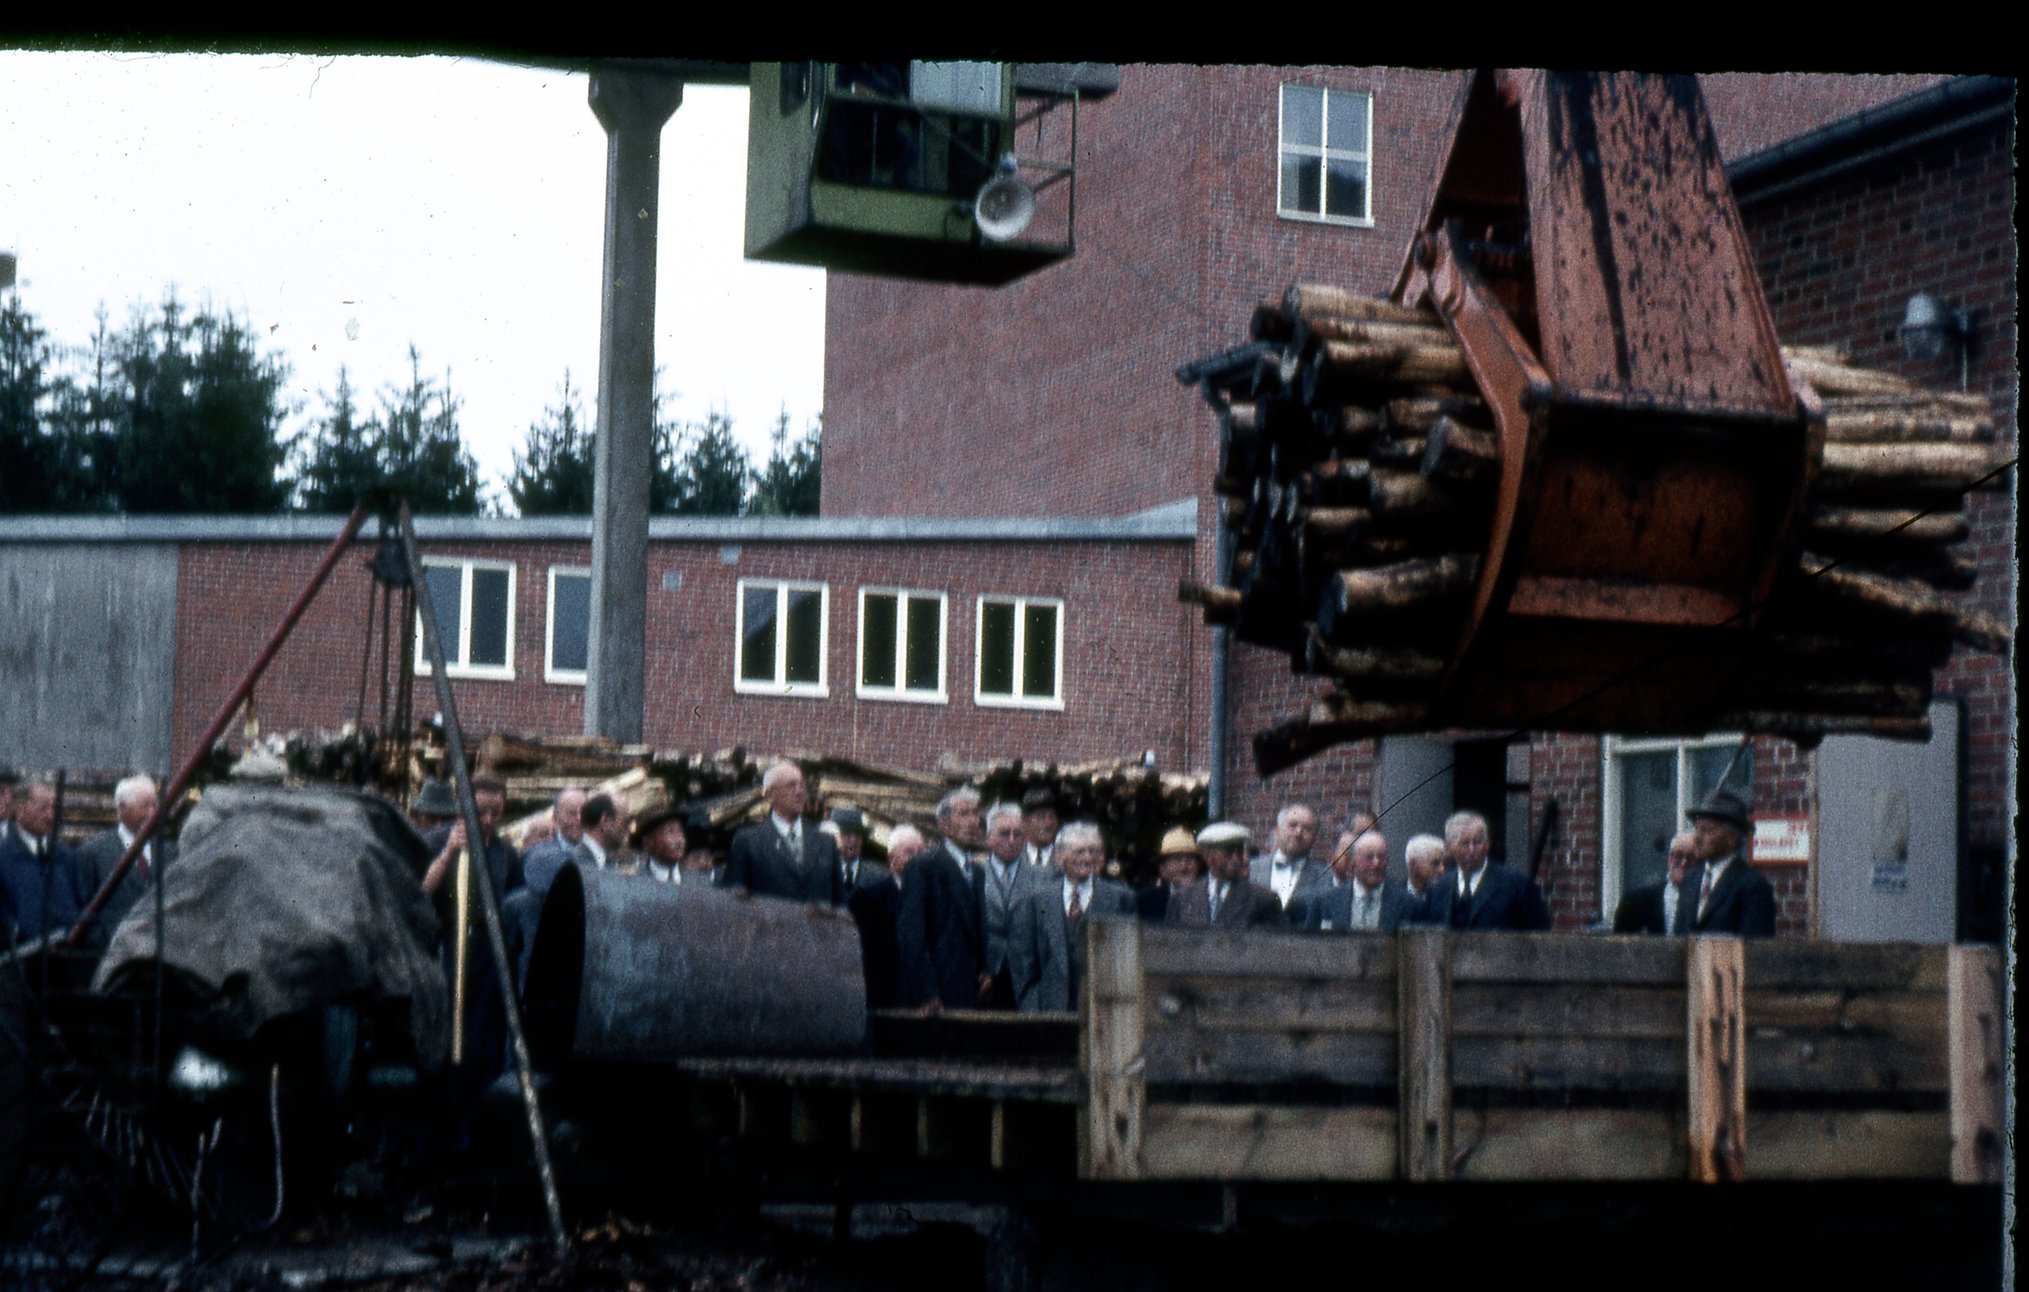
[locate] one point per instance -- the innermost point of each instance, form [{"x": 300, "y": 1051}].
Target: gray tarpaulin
[{"x": 282, "y": 900}]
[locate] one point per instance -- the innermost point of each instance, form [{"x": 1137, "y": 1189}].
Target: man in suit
[
  {"x": 1290, "y": 865},
  {"x": 905, "y": 844},
  {"x": 1658, "y": 907},
  {"x": 1039, "y": 823},
  {"x": 1178, "y": 866},
  {"x": 1359, "y": 895},
  {"x": 1008, "y": 880},
  {"x": 134, "y": 801},
  {"x": 1726, "y": 895},
  {"x": 937, "y": 930},
  {"x": 1225, "y": 898},
  {"x": 663, "y": 845},
  {"x": 873, "y": 901},
  {"x": 40, "y": 890},
  {"x": 1485, "y": 895},
  {"x": 779, "y": 857},
  {"x": 1423, "y": 857},
  {"x": 540, "y": 864},
  {"x": 602, "y": 840},
  {"x": 1047, "y": 944}
]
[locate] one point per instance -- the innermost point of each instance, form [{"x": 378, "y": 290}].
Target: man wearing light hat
[
  {"x": 1178, "y": 866},
  {"x": 1732, "y": 896},
  {"x": 1225, "y": 898}
]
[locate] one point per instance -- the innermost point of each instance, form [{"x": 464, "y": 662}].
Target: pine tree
[
  {"x": 553, "y": 471},
  {"x": 422, "y": 457},
  {"x": 341, "y": 456},
  {"x": 712, "y": 475},
  {"x": 790, "y": 483},
  {"x": 25, "y": 448}
]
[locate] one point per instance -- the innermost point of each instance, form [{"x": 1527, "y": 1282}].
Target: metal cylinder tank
[{"x": 624, "y": 969}]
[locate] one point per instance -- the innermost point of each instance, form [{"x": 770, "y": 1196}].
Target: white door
[{"x": 1888, "y": 835}]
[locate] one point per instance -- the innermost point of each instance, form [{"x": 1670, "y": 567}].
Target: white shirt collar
[
  {"x": 598, "y": 853},
  {"x": 1083, "y": 889},
  {"x": 667, "y": 874}
]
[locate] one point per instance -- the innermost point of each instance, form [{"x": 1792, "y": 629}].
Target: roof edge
[{"x": 1965, "y": 95}]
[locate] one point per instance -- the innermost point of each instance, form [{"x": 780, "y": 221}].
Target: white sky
[{"x": 348, "y": 206}]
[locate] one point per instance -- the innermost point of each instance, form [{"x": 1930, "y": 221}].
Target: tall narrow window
[
  {"x": 1021, "y": 652},
  {"x": 475, "y": 616},
  {"x": 1650, "y": 785},
  {"x": 902, "y": 644},
  {"x": 570, "y": 625},
  {"x": 1325, "y": 155},
  {"x": 780, "y": 638}
]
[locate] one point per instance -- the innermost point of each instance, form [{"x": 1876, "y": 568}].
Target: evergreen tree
[
  {"x": 25, "y": 445},
  {"x": 421, "y": 455},
  {"x": 789, "y": 484},
  {"x": 712, "y": 475},
  {"x": 553, "y": 471},
  {"x": 85, "y": 425},
  {"x": 341, "y": 456}
]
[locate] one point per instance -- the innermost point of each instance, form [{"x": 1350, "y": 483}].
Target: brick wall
[{"x": 1126, "y": 684}]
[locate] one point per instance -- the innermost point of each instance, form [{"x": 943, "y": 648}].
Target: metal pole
[
  {"x": 489, "y": 903},
  {"x": 231, "y": 706}
]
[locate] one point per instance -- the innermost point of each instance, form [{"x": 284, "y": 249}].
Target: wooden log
[
  {"x": 1336, "y": 523},
  {"x": 1948, "y": 402},
  {"x": 1423, "y": 976},
  {"x": 1457, "y": 453},
  {"x": 1243, "y": 417},
  {"x": 1420, "y": 412},
  {"x": 1341, "y": 710},
  {"x": 1343, "y": 363},
  {"x": 1978, "y": 1037},
  {"x": 1319, "y": 300},
  {"x": 1907, "y": 601},
  {"x": 1350, "y": 422},
  {"x": 1338, "y": 482},
  {"x": 1717, "y": 1061},
  {"x": 1864, "y": 696},
  {"x": 1891, "y": 425},
  {"x": 1401, "y": 666},
  {"x": 1405, "y": 585},
  {"x": 1832, "y": 379},
  {"x": 1894, "y": 468},
  {"x": 1841, "y": 528},
  {"x": 1834, "y": 355},
  {"x": 1401, "y": 452},
  {"x": 1952, "y": 571},
  {"x": 1379, "y": 331}
]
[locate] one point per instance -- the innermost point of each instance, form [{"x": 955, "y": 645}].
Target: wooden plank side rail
[{"x": 1435, "y": 1056}]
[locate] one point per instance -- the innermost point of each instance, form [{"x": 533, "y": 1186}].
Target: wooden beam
[
  {"x": 1423, "y": 974},
  {"x": 1717, "y": 1058},
  {"x": 1268, "y": 1142},
  {"x": 1978, "y": 1039},
  {"x": 1110, "y": 1054},
  {"x": 1499, "y": 1143}
]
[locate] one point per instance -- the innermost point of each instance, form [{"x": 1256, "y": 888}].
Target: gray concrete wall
[{"x": 87, "y": 654}]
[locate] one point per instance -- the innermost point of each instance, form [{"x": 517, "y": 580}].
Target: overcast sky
[{"x": 349, "y": 206}]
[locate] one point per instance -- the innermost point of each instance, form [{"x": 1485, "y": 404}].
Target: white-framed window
[
  {"x": 1020, "y": 660},
  {"x": 779, "y": 638},
  {"x": 568, "y": 637},
  {"x": 902, "y": 645},
  {"x": 1325, "y": 155},
  {"x": 474, "y": 600},
  {"x": 1650, "y": 784}
]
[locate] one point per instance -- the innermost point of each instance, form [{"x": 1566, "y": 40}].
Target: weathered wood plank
[
  {"x": 1424, "y": 978},
  {"x": 1717, "y": 1061},
  {"x": 1814, "y": 1062},
  {"x": 1270, "y": 1004},
  {"x": 1541, "y": 1063},
  {"x": 1798, "y": 963},
  {"x": 1790, "y": 1144},
  {"x": 1555, "y": 1009},
  {"x": 1201, "y": 953},
  {"x": 1206, "y": 1056},
  {"x": 1110, "y": 1053},
  {"x": 1978, "y": 1039},
  {"x": 1567, "y": 958},
  {"x": 1838, "y": 1012},
  {"x": 1271, "y": 1142},
  {"x": 1569, "y": 1144}
]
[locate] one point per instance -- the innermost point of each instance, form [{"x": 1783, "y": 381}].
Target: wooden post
[
  {"x": 1978, "y": 1034},
  {"x": 1717, "y": 1058},
  {"x": 1423, "y": 1018},
  {"x": 1110, "y": 1053}
]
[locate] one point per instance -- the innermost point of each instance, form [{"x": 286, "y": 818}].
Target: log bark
[
  {"x": 1908, "y": 601},
  {"x": 1321, "y": 300},
  {"x": 1405, "y": 585},
  {"x": 1420, "y": 412},
  {"x": 1933, "y": 425},
  {"x": 1375, "y": 664},
  {"x": 1833, "y": 379},
  {"x": 1344, "y": 363},
  {"x": 1379, "y": 332},
  {"x": 1851, "y": 525},
  {"x": 1812, "y": 726},
  {"x": 1221, "y": 605},
  {"x": 1457, "y": 452},
  {"x": 1336, "y": 523},
  {"x": 1894, "y": 468}
]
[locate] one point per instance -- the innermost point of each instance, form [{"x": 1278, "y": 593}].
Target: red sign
[{"x": 1781, "y": 841}]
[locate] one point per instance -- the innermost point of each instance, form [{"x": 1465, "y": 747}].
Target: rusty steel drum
[{"x": 624, "y": 969}]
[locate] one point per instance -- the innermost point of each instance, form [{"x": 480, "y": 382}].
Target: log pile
[{"x": 1357, "y": 469}]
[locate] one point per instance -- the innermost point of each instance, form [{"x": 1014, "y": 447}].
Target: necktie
[
  {"x": 1367, "y": 911},
  {"x": 1218, "y": 891},
  {"x": 1077, "y": 910},
  {"x": 141, "y": 864},
  {"x": 852, "y": 873},
  {"x": 1704, "y": 892}
]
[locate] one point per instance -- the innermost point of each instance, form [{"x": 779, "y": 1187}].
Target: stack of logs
[{"x": 1357, "y": 472}]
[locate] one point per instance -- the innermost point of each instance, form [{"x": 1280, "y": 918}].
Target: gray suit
[
  {"x": 1047, "y": 954},
  {"x": 998, "y": 904},
  {"x": 1325, "y": 906},
  {"x": 1261, "y": 870},
  {"x": 96, "y": 858}
]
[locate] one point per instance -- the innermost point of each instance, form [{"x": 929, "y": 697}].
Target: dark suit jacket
[
  {"x": 1153, "y": 902},
  {"x": 1260, "y": 869},
  {"x": 874, "y": 904},
  {"x": 1742, "y": 902},
  {"x": 761, "y": 862},
  {"x": 1044, "y": 951},
  {"x": 1247, "y": 906},
  {"x": 24, "y": 882},
  {"x": 1505, "y": 899},
  {"x": 937, "y": 935},
  {"x": 1642, "y": 911},
  {"x": 1324, "y": 906},
  {"x": 96, "y": 858}
]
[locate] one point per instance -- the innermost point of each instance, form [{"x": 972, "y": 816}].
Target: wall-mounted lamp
[{"x": 1927, "y": 327}]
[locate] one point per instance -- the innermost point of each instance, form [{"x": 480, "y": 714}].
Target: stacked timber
[{"x": 1357, "y": 471}]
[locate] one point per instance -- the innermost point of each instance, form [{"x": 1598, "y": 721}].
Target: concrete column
[{"x": 632, "y": 103}]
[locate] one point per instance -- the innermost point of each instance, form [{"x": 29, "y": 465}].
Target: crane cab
[{"x": 948, "y": 171}]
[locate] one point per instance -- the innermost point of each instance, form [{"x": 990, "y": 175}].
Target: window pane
[
  {"x": 489, "y": 618},
  {"x": 1347, "y": 122},
  {"x": 571, "y": 622},
  {"x": 1709, "y": 764},
  {"x": 877, "y": 642},
  {"x": 1302, "y": 115},
  {"x": 996, "y": 648},
  {"x": 757, "y": 643},
  {"x": 1346, "y": 188},
  {"x": 925, "y": 644},
  {"x": 447, "y": 594},
  {"x": 1300, "y": 184},
  {"x": 1648, "y": 816},
  {"x": 1039, "y": 652},
  {"x": 806, "y": 637}
]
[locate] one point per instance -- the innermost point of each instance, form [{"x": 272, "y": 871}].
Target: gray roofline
[
  {"x": 1172, "y": 522},
  {"x": 1954, "y": 105}
]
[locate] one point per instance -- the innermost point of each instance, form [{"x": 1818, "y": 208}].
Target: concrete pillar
[{"x": 632, "y": 103}]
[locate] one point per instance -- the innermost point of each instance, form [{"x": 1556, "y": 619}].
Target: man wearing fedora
[
  {"x": 869, "y": 894},
  {"x": 663, "y": 843},
  {"x": 1725, "y": 894}
]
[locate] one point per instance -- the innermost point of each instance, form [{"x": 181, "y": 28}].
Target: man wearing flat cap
[
  {"x": 1731, "y": 896},
  {"x": 1177, "y": 867},
  {"x": 1039, "y": 827},
  {"x": 1225, "y": 898}
]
